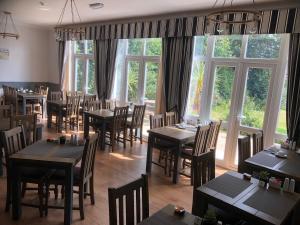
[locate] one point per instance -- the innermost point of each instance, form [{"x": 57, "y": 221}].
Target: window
[
  {"x": 228, "y": 46},
  {"x": 83, "y": 67},
  {"x": 281, "y": 122}
]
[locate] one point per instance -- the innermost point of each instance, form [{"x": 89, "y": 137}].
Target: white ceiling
[{"x": 29, "y": 12}]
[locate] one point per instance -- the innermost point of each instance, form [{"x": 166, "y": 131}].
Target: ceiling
[{"x": 30, "y": 11}]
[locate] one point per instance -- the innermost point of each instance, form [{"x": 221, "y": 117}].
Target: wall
[{"x": 28, "y": 56}]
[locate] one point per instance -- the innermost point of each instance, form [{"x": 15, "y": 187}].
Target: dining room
[{"x": 152, "y": 113}]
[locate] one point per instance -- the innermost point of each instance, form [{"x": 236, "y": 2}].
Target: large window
[
  {"x": 238, "y": 79},
  {"x": 83, "y": 67}
]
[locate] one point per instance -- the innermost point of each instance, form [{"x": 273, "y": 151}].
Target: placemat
[
  {"x": 291, "y": 167},
  {"x": 228, "y": 185},
  {"x": 272, "y": 202},
  {"x": 268, "y": 160}
]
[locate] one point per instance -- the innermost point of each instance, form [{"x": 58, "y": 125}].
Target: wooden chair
[
  {"x": 14, "y": 141},
  {"x": 94, "y": 105},
  {"x": 83, "y": 175},
  {"x": 258, "y": 142},
  {"x": 71, "y": 113},
  {"x": 213, "y": 135},
  {"x": 38, "y": 107},
  {"x": 56, "y": 95},
  {"x": 6, "y": 112},
  {"x": 244, "y": 152},
  {"x": 171, "y": 118},
  {"x": 165, "y": 148},
  {"x": 2, "y": 100},
  {"x": 136, "y": 123},
  {"x": 200, "y": 147},
  {"x": 29, "y": 123},
  {"x": 109, "y": 104},
  {"x": 118, "y": 126},
  {"x": 87, "y": 99},
  {"x": 136, "y": 206}
]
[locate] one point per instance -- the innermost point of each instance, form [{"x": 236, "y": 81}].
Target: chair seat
[
  {"x": 34, "y": 173},
  {"x": 58, "y": 176}
]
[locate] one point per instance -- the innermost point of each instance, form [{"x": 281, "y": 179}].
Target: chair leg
[
  {"x": 56, "y": 191},
  {"x": 131, "y": 137},
  {"x": 141, "y": 135},
  {"x": 85, "y": 186},
  {"x": 135, "y": 134},
  {"x": 92, "y": 193},
  {"x": 47, "y": 199},
  {"x": 62, "y": 192},
  {"x": 24, "y": 186},
  {"x": 81, "y": 196},
  {"x": 41, "y": 196},
  {"x": 124, "y": 137}
]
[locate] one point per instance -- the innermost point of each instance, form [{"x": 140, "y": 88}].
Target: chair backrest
[
  {"x": 56, "y": 95},
  {"x": 244, "y": 152},
  {"x": 2, "y": 100},
  {"x": 203, "y": 167},
  {"x": 44, "y": 90},
  {"x": 94, "y": 105},
  {"x": 86, "y": 101},
  {"x": 13, "y": 141},
  {"x": 258, "y": 142},
  {"x": 29, "y": 124},
  {"x": 138, "y": 116},
  {"x": 88, "y": 157},
  {"x": 200, "y": 145},
  {"x": 156, "y": 121},
  {"x": 213, "y": 135},
  {"x": 6, "y": 112},
  {"x": 120, "y": 118},
  {"x": 136, "y": 205},
  {"x": 109, "y": 104},
  {"x": 170, "y": 118},
  {"x": 72, "y": 106}
]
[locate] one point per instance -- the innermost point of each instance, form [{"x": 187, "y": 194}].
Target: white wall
[
  {"x": 53, "y": 74},
  {"x": 28, "y": 56}
]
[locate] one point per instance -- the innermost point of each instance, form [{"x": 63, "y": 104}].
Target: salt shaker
[
  {"x": 292, "y": 186},
  {"x": 286, "y": 184}
]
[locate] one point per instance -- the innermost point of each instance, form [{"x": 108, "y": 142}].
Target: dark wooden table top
[
  {"x": 166, "y": 216},
  {"x": 284, "y": 167},
  {"x": 31, "y": 95},
  {"x": 270, "y": 205},
  {"x": 173, "y": 133},
  {"x": 103, "y": 113},
  {"x": 44, "y": 151}
]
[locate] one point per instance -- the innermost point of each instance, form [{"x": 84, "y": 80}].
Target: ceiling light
[
  {"x": 222, "y": 17},
  {"x": 74, "y": 31},
  {"x": 96, "y": 5},
  {"x": 6, "y": 21}
]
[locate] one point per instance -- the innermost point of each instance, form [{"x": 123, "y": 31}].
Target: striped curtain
[
  {"x": 177, "y": 64},
  {"x": 61, "y": 60},
  {"x": 105, "y": 56},
  {"x": 293, "y": 90}
]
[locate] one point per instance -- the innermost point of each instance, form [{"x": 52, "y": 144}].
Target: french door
[
  {"x": 240, "y": 93},
  {"x": 141, "y": 77}
]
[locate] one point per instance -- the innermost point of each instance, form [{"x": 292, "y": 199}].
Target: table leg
[
  {"x": 44, "y": 108},
  {"x": 200, "y": 205},
  {"x": 49, "y": 114},
  {"x": 149, "y": 154},
  {"x": 86, "y": 125},
  {"x": 1, "y": 156},
  {"x": 177, "y": 154},
  {"x": 15, "y": 192},
  {"x": 103, "y": 128},
  {"x": 68, "y": 195},
  {"x": 24, "y": 106}
]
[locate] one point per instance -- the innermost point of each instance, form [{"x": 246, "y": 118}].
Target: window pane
[
  {"x": 133, "y": 77},
  {"x": 224, "y": 77},
  {"x": 91, "y": 88},
  {"x": 79, "y": 47},
  {"x": 281, "y": 124},
  {"x": 90, "y": 47},
  {"x": 135, "y": 46},
  {"x": 79, "y": 73},
  {"x": 153, "y": 46},
  {"x": 200, "y": 46},
  {"x": 196, "y": 86},
  {"x": 256, "y": 97},
  {"x": 263, "y": 46},
  {"x": 228, "y": 46}
]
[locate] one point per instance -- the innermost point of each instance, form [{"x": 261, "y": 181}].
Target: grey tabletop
[
  {"x": 166, "y": 216},
  {"x": 173, "y": 132}
]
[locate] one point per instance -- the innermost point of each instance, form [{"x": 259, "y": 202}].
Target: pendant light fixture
[
  {"x": 74, "y": 31},
  {"x": 223, "y": 18},
  {"x": 7, "y": 26}
]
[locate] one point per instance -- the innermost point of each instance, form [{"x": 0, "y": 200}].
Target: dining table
[
  {"x": 247, "y": 200},
  {"x": 172, "y": 134},
  {"x": 32, "y": 96},
  {"x": 284, "y": 166},
  {"x": 103, "y": 117},
  {"x": 45, "y": 155},
  {"x": 56, "y": 107},
  {"x": 166, "y": 216}
]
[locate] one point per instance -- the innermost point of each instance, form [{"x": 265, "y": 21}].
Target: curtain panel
[
  {"x": 61, "y": 62},
  {"x": 293, "y": 90},
  {"x": 273, "y": 21},
  {"x": 176, "y": 65},
  {"x": 105, "y": 56}
]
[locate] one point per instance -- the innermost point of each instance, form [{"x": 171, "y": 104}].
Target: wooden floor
[{"x": 111, "y": 170}]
